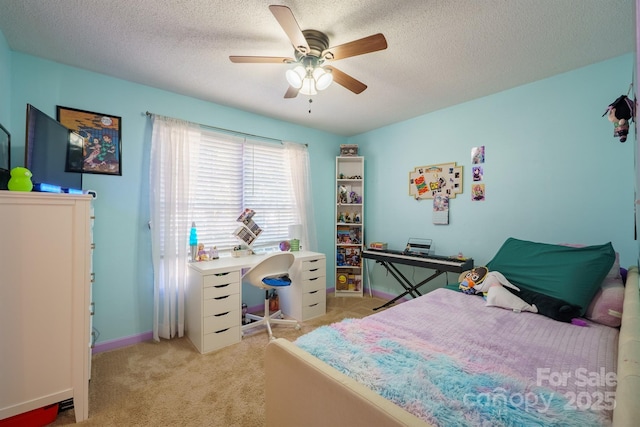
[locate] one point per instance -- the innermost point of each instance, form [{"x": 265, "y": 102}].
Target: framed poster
[{"x": 102, "y": 139}]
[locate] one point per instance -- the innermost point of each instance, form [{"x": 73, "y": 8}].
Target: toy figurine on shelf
[
  {"x": 341, "y": 217},
  {"x": 342, "y": 194},
  {"x": 355, "y": 197}
]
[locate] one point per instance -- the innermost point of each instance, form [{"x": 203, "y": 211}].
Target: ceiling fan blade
[
  {"x": 261, "y": 59},
  {"x": 357, "y": 47},
  {"x": 346, "y": 80},
  {"x": 290, "y": 26},
  {"x": 292, "y": 92}
]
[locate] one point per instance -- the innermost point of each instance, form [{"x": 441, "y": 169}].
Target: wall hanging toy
[{"x": 620, "y": 112}]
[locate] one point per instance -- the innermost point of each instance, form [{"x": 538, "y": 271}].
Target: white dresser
[
  {"x": 214, "y": 297},
  {"x": 45, "y": 274}
]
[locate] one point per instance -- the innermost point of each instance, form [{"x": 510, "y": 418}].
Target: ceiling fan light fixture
[
  {"x": 295, "y": 76},
  {"x": 322, "y": 77},
  {"x": 308, "y": 86}
]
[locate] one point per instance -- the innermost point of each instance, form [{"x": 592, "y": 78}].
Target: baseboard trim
[{"x": 122, "y": 342}]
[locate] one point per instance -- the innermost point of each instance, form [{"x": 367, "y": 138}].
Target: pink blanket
[{"x": 481, "y": 363}]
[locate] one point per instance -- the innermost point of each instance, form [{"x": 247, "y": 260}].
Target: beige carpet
[{"x": 170, "y": 384}]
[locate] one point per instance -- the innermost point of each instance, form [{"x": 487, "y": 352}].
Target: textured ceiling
[{"x": 440, "y": 53}]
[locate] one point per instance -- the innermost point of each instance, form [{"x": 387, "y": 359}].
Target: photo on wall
[
  {"x": 477, "y": 193},
  {"x": 477, "y": 155}
]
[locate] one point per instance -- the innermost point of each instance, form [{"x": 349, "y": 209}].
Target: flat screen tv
[{"x": 52, "y": 151}]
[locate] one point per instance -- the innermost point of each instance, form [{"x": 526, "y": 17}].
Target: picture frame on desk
[{"x": 101, "y": 140}]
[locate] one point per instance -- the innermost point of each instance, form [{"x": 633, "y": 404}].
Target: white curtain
[
  {"x": 174, "y": 146},
  {"x": 301, "y": 176}
]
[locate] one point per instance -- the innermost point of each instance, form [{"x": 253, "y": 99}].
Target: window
[{"x": 235, "y": 173}]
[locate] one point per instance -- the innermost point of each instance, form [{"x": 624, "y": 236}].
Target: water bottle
[{"x": 193, "y": 241}]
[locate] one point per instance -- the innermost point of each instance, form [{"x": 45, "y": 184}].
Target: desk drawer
[
  {"x": 217, "y": 340},
  {"x": 318, "y": 264},
  {"x": 220, "y": 304},
  {"x": 314, "y": 310},
  {"x": 314, "y": 284},
  {"x": 222, "y": 321},
  {"x": 216, "y": 291},
  {"x": 221, "y": 279},
  {"x": 312, "y": 274},
  {"x": 314, "y": 297}
]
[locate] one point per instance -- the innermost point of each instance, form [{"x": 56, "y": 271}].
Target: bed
[{"x": 447, "y": 359}]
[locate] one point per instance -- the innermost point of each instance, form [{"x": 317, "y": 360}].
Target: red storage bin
[{"x": 36, "y": 418}]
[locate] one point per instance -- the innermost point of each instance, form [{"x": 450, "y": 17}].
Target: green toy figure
[{"x": 20, "y": 180}]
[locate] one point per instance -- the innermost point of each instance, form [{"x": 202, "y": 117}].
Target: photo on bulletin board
[
  {"x": 478, "y": 173},
  {"x": 477, "y": 192},
  {"x": 477, "y": 155}
]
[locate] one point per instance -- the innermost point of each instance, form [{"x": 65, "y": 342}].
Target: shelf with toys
[{"x": 349, "y": 228}]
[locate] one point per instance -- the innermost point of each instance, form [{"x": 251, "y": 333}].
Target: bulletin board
[{"x": 425, "y": 182}]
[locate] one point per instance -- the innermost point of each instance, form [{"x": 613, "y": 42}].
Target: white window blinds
[{"x": 234, "y": 174}]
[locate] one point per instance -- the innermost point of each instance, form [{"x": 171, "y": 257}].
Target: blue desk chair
[{"x": 270, "y": 273}]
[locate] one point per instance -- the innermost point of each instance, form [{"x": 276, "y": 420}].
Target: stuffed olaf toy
[{"x": 492, "y": 285}]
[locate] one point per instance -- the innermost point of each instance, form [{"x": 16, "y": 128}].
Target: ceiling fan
[{"x": 311, "y": 53}]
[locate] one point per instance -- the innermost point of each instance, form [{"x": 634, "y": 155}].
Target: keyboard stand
[{"x": 389, "y": 260}]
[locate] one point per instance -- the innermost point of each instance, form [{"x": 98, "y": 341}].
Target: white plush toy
[{"x": 492, "y": 285}]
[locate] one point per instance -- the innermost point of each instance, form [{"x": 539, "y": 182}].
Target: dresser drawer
[
  {"x": 221, "y": 279},
  {"x": 222, "y": 321},
  {"x": 220, "y": 304},
  {"x": 216, "y": 291},
  {"x": 314, "y": 297},
  {"x": 314, "y": 310},
  {"x": 217, "y": 340}
]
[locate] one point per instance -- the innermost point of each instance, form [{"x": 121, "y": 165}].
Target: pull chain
[{"x": 310, "y": 101}]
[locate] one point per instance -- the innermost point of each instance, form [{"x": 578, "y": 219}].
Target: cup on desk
[{"x": 295, "y": 245}]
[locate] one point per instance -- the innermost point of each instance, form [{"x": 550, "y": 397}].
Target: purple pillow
[{"x": 606, "y": 305}]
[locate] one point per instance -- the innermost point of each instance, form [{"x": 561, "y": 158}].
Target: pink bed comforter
[{"x": 575, "y": 362}]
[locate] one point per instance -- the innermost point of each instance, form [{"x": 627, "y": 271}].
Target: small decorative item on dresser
[{"x": 20, "y": 179}]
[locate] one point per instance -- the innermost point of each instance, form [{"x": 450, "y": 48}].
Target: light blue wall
[
  {"x": 5, "y": 82},
  {"x": 122, "y": 260},
  {"x": 553, "y": 173}
]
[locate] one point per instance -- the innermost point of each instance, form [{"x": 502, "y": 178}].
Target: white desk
[{"x": 214, "y": 296}]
